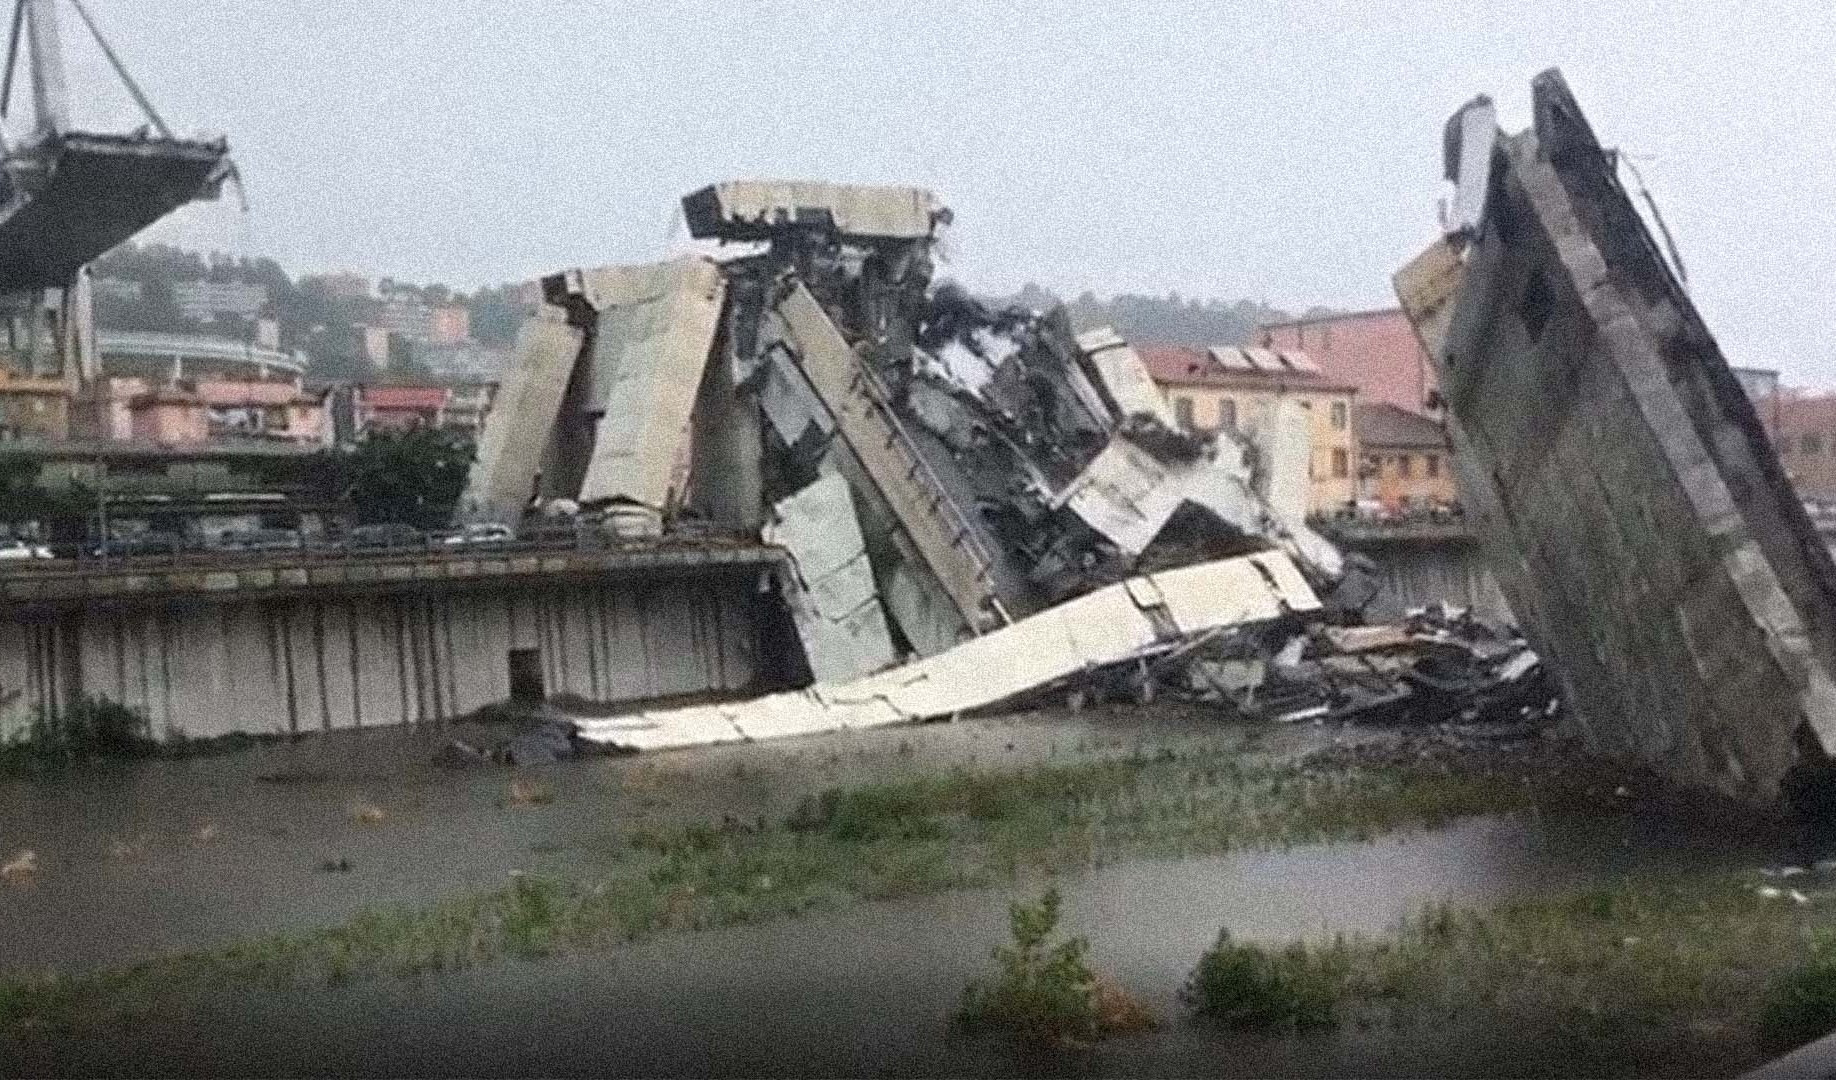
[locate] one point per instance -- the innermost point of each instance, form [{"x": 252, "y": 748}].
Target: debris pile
[
  {"x": 937, "y": 467},
  {"x": 1440, "y": 664},
  {"x": 979, "y": 503}
]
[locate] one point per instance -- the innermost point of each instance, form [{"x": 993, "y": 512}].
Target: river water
[{"x": 868, "y": 990}]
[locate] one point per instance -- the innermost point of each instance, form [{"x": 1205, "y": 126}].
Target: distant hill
[{"x": 1171, "y": 319}]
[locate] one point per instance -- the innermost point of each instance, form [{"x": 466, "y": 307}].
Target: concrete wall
[
  {"x": 1416, "y": 575},
  {"x": 306, "y": 663}
]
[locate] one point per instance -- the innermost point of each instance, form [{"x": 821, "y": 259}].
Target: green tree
[
  {"x": 404, "y": 365},
  {"x": 410, "y": 476}
]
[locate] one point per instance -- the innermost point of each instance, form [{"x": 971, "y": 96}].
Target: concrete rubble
[
  {"x": 978, "y": 503},
  {"x": 1623, "y": 488},
  {"x": 1115, "y": 626}
]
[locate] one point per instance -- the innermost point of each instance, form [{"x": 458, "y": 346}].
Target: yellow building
[
  {"x": 1406, "y": 462},
  {"x": 33, "y": 408},
  {"x": 1228, "y": 387}
]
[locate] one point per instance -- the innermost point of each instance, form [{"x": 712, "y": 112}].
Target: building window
[
  {"x": 1182, "y": 412},
  {"x": 1227, "y": 413},
  {"x": 1341, "y": 463},
  {"x": 1405, "y": 466},
  {"x": 1434, "y": 464},
  {"x": 1338, "y": 416},
  {"x": 1811, "y": 444}
]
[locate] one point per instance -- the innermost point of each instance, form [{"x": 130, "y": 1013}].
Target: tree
[
  {"x": 336, "y": 355},
  {"x": 403, "y": 363},
  {"x": 412, "y": 476}
]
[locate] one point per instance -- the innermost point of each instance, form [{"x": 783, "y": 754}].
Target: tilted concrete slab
[
  {"x": 831, "y": 594},
  {"x": 1624, "y": 491},
  {"x": 522, "y": 418},
  {"x": 934, "y": 525},
  {"x": 1108, "y": 626},
  {"x": 1124, "y": 375},
  {"x": 655, "y": 328}
]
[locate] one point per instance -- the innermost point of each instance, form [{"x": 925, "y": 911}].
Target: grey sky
[{"x": 1286, "y": 153}]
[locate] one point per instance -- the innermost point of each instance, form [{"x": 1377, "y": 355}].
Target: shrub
[
  {"x": 1802, "y": 1005},
  {"x": 1293, "y": 988},
  {"x": 93, "y": 726},
  {"x": 1042, "y": 992}
]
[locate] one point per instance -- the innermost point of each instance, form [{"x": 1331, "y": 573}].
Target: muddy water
[
  {"x": 175, "y": 855},
  {"x": 868, "y": 990}
]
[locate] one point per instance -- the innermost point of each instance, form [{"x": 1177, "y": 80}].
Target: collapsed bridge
[
  {"x": 1626, "y": 496},
  {"x": 938, "y": 468}
]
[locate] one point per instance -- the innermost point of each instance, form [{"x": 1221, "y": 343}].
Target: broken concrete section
[
  {"x": 503, "y": 478},
  {"x": 653, "y": 328},
  {"x": 762, "y": 209},
  {"x": 1627, "y": 498},
  {"x": 1118, "y": 624},
  {"x": 831, "y": 595}
]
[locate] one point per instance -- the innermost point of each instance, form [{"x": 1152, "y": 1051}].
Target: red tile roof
[
  {"x": 1184, "y": 365},
  {"x": 405, "y": 397},
  {"x": 1380, "y": 423}
]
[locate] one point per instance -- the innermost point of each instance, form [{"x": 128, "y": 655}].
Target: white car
[
  {"x": 481, "y": 534},
  {"x": 19, "y": 549}
]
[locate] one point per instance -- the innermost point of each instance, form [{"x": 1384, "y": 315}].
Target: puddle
[{"x": 868, "y": 990}]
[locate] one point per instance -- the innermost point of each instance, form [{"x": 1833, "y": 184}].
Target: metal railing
[{"x": 542, "y": 539}]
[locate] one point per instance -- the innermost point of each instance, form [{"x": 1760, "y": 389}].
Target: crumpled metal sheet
[
  {"x": 832, "y": 599},
  {"x": 1105, "y": 627},
  {"x": 652, "y": 336}
]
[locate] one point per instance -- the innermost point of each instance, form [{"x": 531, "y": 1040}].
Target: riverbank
[{"x": 849, "y": 828}]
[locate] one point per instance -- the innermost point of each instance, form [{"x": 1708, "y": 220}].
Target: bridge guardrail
[{"x": 310, "y": 553}]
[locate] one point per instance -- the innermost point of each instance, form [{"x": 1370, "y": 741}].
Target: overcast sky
[{"x": 1287, "y": 153}]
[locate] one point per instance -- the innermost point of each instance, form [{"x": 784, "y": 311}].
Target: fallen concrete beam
[
  {"x": 935, "y": 525},
  {"x": 1109, "y": 626},
  {"x": 1625, "y": 494}
]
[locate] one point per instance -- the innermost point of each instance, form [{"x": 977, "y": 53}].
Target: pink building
[
  {"x": 186, "y": 413},
  {"x": 281, "y": 411},
  {"x": 1376, "y": 351},
  {"x": 168, "y": 418},
  {"x": 400, "y": 408}
]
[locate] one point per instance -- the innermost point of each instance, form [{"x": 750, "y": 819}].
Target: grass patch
[
  {"x": 922, "y": 835},
  {"x": 1651, "y": 974},
  {"x": 1801, "y": 1005},
  {"x": 1294, "y": 988}
]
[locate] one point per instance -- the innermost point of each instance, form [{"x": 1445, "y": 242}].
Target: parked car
[
  {"x": 273, "y": 540},
  {"x": 22, "y": 549},
  {"x": 145, "y": 543},
  {"x": 480, "y": 536},
  {"x": 392, "y": 534}
]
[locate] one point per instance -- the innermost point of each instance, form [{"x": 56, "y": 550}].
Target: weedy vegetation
[
  {"x": 953, "y": 829},
  {"x": 1046, "y": 991}
]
